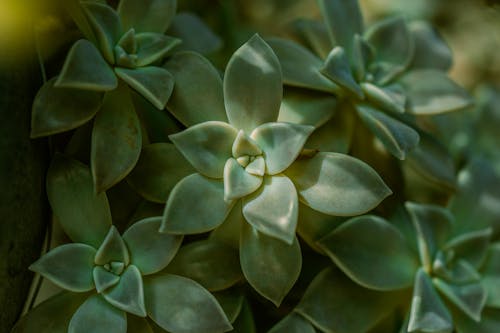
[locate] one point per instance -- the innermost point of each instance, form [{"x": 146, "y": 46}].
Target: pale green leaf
[
  {"x": 257, "y": 167},
  {"x": 69, "y": 266},
  {"x": 147, "y": 15},
  {"x": 116, "y": 139},
  {"x": 253, "y": 85},
  {"x": 104, "y": 279},
  {"x": 70, "y": 189},
  {"x": 244, "y": 145},
  {"x": 195, "y": 205},
  {"x": 207, "y": 146},
  {"x": 198, "y": 93},
  {"x": 362, "y": 55},
  {"x": 337, "y": 184},
  {"x": 270, "y": 266},
  {"x": 338, "y": 69},
  {"x": 387, "y": 98},
  {"x": 293, "y": 323},
  {"x": 113, "y": 248},
  {"x": 85, "y": 68},
  {"x": 281, "y": 144},
  {"x": 98, "y": 316},
  {"x": 238, "y": 182},
  {"x": 153, "y": 46},
  {"x": 181, "y": 305},
  {"x": 431, "y": 51},
  {"x": 372, "y": 253},
  {"x": 57, "y": 110}
]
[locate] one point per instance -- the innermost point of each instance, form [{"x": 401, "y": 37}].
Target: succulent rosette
[{"x": 115, "y": 282}]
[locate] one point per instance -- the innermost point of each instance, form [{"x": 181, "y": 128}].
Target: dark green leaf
[
  {"x": 104, "y": 279},
  {"x": 78, "y": 15},
  {"x": 138, "y": 325},
  {"x": 387, "y": 98},
  {"x": 245, "y": 322},
  {"x": 231, "y": 300},
  {"x": 431, "y": 51},
  {"x": 113, "y": 248},
  {"x": 471, "y": 246},
  {"x": 315, "y": 35},
  {"x": 338, "y": 69},
  {"x": 229, "y": 231},
  {"x": 490, "y": 321},
  {"x": 491, "y": 275},
  {"x": 153, "y": 46},
  {"x": 147, "y": 15},
  {"x": 293, "y": 323},
  {"x": 98, "y": 316}
]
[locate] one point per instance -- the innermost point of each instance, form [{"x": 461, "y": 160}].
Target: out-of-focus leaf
[
  {"x": 431, "y": 51},
  {"x": 338, "y": 69},
  {"x": 315, "y": 34},
  {"x": 385, "y": 97},
  {"x": 147, "y": 15},
  {"x": 471, "y": 246},
  {"x": 293, "y": 323},
  {"x": 152, "y": 47}
]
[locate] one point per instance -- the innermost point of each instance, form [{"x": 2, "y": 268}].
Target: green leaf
[
  {"x": 338, "y": 69},
  {"x": 491, "y": 275},
  {"x": 70, "y": 189},
  {"x": 194, "y": 33},
  {"x": 154, "y": 83},
  {"x": 138, "y": 325},
  {"x": 293, "y": 323},
  {"x": 77, "y": 13},
  {"x": 273, "y": 209},
  {"x": 490, "y": 321},
  {"x": 306, "y": 107},
  {"x": 384, "y": 97},
  {"x": 112, "y": 249},
  {"x": 428, "y": 312},
  {"x": 231, "y": 300},
  {"x": 160, "y": 167},
  {"x": 457, "y": 271},
  {"x": 431, "y": 51},
  {"x": 153, "y": 46},
  {"x": 147, "y": 15},
  {"x": 431, "y": 92},
  {"x": 256, "y": 167},
  {"x": 314, "y": 34},
  {"x": 106, "y": 26},
  {"x": 98, "y": 316},
  {"x": 238, "y": 182},
  {"x": 433, "y": 226},
  {"x": 104, "y": 279},
  {"x": 195, "y": 205},
  {"x": 372, "y": 253},
  {"x": 397, "y": 137},
  {"x": 128, "y": 294},
  {"x": 300, "y": 67},
  {"x": 281, "y": 144},
  {"x": 343, "y": 19},
  {"x": 229, "y": 231},
  {"x": 471, "y": 246},
  {"x": 84, "y": 68},
  {"x": 362, "y": 55},
  {"x": 198, "y": 94},
  {"x": 150, "y": 250},
  {"x": 116, "y": 139},
  {"x": 212, "y": 264},
  {"x": 337, "y": 184},
  {"x": 394, "y": 47},
  {"x": 207, "y": 146},
  {"x": 57, "y": 110},
  {"x": 470, "y": 298},
  {"x": 179, "y": 304},
  {"x": 253, "y": 85},
  {"x": 244, "y": 145},
  {"x": 334, "y": 303},
  {"x": 69, "y": 266},
  {"x": 245, "y": 322},
  {"x": 270, "y": 266}
]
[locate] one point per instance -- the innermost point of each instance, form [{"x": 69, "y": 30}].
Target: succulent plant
[{"x": 121, "y": 277}]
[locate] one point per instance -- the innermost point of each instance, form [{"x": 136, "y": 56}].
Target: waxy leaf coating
[{"x": 99, "y": 315}]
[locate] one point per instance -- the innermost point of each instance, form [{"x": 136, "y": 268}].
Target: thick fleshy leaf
[
  {"x": 433, "y": 226},
  {"x": 231, "y": 300},
  {"x": 198, "y": 93},
  {"x": 244, "y": 145},
  {"x": 207, "y": 146},
  {"x": 270, "y": 266},
  {"x": 394, "y": 47},
  {"x": 428, "y": 312},
  {"x": 334, "y": 303},
  {"x": 253, "y": 85},
  {"x": 78, "y": 15},
  {"x": 113, "y": 248},
  {"x": 343, "y": 19},
  {"x": 491, "y": 276},
  {"x": 98, "y": 316},
  {"x": 104, "y": 279},
  {"x": 116, "y": 139},
  {"x": 273, "y": 209},
  {"x": 338, "y": 69},
  {"x": 306, "y": 108},
  {"x": 431, "y": 51},
  {"x": 281, "y": 143},
  {"x": 372, "y": 253},
  {"x": 456, "y": 271},
  {"x": 150, "y": 250},
  {"x": 147, "y": 15},
  {"x": 293, "y": 323},
  {"x": 41, "y": 319},
  {"x": 471, "y": 246},
  {"x": 154, "y": 83},
  {"x": 397, "y": 137},
  {"x": 57, "y": 110},
  {"x": 128, "y": 294},
  {"x": 153, "y": 46},
  {"x": 315, "y": 34},
  {"x": 160, "y": 167},
  {"x": 181, "y": 305},
  {"x": 384, "y": 97},
  {"x": 300, "y": 67},
  {"x": 470, "y": 298},
  {"x": 337, "y": 184},
  {"x": 195, "y": 205},
  {"x": 106, "y": 26},
  {"x": 237, "y": 182},
  {"x": 195, "y": 34},
  {"x": 86, "y": 69},
  {"x": 245, "y": 322},
  {"x": 229, "y": 231},
  {"x": 257, "y": 167},
  {"x": 362, "y": 55},
  {"x": 212, "y": 264},
  {"x": 432, "y": 92},
  {"x": 70, "y": 189},
  {"x": 69, "y": 266}
]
